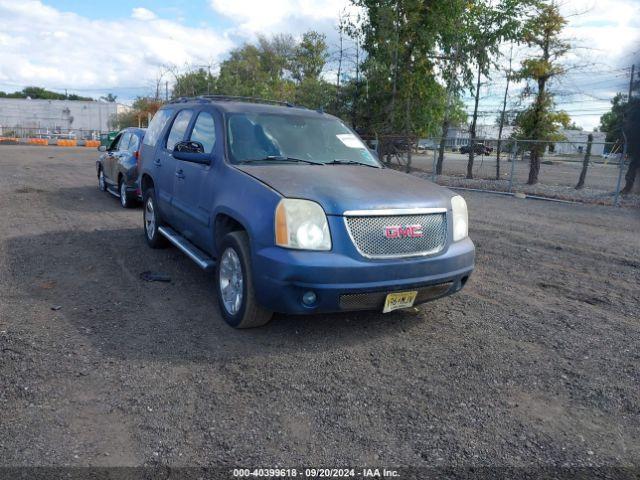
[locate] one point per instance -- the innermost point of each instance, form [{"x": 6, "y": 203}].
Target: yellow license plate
[{"x": 397, "y": 300}]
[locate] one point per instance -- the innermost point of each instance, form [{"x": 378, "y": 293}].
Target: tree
[
  {"x": 42, "y": 93},
  {"x": 259, "y": 70},
  {"x": 539, "y": 122},
  {"x": 309, "y": 57},
  {"x": 109, "y": 97},
  {"x": 198, "y": 82},
  {"x": 469, "y": 38},
  {"x": 502, "y": 119},
  {"x": 401, "y": 89},
  {"x": 585, "y": 162},
  {"x": 631, "y": 127},
  {"x": 142, "y": 110},
  {"x": 612, "y": 121},
  {"x": 632, "y": 130}
]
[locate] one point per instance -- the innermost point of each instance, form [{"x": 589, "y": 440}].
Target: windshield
[{"x": 268, "y": 137}]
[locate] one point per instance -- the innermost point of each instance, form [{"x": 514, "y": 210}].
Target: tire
[
  {"x": 248, "y": 313},
  {"x": 151, "y": 234},
  {"x": 102, "y": 184},
  {"x": 125, "y": 200}
]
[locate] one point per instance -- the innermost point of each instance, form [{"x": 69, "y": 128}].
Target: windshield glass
[{"x": 275, "y": 138}]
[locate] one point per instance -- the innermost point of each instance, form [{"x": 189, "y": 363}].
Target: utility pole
[
  {"x": 633, "y": 71},
  {"x": 166, "y": 90}
]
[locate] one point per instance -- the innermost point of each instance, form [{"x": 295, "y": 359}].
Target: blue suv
[{"x": 294, "y": 213}]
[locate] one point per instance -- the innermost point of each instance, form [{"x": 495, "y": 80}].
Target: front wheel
[
  {"x": 102, "y": 184},
  {"x": 151, "y": 217},
  {"x": 234, "y": 281}
]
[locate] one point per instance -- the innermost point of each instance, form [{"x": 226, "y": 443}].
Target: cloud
[
  {"x": 40, "y": 45},
  {"x": 289, "y": 16},
  {"x": 141, "y": 13}
]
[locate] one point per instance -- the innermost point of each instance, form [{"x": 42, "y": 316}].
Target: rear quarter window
[{"x": 156, "y": 126}]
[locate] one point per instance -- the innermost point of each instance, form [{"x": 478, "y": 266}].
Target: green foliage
[
  {"x": 612, "y": 121},
  {"x": 534, "y": 125},
  {"x": 109, "y": 97},
  {"x": 275, "y": 68},
  {"x": 309, "y": 57},
  {"x": 41, "y": 93},
  {"x": 142, "y": 110},
  {"x": 198, "y": 82},
  {"x": 540, "y": 122},
  {"x": 401, "y": 91}
]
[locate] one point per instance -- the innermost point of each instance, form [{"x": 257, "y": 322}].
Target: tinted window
[
  {"x": 134, "y": 144},
  {"x": 156, "y": 126},
  {"x": 318, "y": 138},
  {"x": 114, "y": 143},
  {"x": 124, "y": 141},
  {"x": 204, "y": 131},
  {"x": 178, "y": 128}
]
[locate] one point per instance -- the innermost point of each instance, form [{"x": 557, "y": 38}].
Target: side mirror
[
  {"x": 102, "y": 148},
  {"x": 191, "y": 152},
  {"x": 189, "y": 147}
]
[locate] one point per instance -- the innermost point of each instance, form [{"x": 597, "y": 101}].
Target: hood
[{"x": 339, "y": 188}]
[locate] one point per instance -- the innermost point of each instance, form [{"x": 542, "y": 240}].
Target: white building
[{"x": 57, "y": 115}]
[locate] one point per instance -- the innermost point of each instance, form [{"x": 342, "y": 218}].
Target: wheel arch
[
  {"x": 146, "y": 182},
  {"x": 224, "y": 223}
]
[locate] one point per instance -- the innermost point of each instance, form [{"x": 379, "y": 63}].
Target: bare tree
[{"x": 502, "y": 115}]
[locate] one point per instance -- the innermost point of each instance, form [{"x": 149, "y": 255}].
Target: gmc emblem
[{"x": 407, "y": 231}]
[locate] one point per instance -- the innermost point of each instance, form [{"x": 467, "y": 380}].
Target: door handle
[
  {"x": 157, "y": 162},
  {"x": 180, "y": 174}
]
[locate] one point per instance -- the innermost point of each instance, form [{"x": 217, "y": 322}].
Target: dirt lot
[{"x": 536, "y": 363}]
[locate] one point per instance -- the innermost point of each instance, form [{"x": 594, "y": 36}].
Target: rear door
[
  {"x": 165, "y": 164},
  {"x": 191, "y": 184},
  {"x": 153, "y": 145}
]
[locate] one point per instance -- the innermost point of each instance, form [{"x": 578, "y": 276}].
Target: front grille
[
  {"x": 375, "y": 300},
  {"x": 368, "y": 234}
]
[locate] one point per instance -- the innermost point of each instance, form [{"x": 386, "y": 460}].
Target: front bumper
[{"x": 282, "y": 277}]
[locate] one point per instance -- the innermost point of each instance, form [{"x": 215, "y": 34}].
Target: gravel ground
[
  {"x": 560, "y": 192},
  {"x": 534, "y": 364}
]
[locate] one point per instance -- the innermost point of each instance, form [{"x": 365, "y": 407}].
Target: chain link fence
[
  {"x": 569, "y": 170},
  {"x": 45, "y": 136}
]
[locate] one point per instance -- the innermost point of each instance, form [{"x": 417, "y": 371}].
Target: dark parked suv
[
  {"x": 294, "y": 213},
  {"x": 118, "y": 168}
]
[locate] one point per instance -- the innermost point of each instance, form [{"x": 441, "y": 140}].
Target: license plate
[{"x": 397, "y": 300}]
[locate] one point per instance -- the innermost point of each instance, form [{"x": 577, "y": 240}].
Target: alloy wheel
[{"x": 231, "y": 281}]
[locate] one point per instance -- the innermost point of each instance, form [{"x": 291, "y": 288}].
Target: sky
[{"x": 96, "y": 47}]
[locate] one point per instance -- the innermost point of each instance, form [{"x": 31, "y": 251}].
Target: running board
[
  {"x": 201, "y": 259},
  {"x": 113, "y": 192}
]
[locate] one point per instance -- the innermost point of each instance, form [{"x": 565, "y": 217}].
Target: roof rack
[{"x": 230, "y": 98}]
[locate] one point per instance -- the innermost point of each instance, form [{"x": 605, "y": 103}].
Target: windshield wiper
[
  {"x": 278, "y": 158},
  {"x": 350, "y": 162}
]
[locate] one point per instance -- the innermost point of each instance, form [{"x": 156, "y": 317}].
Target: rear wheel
[
  {"x": 234, "y": 281},
  {"x": 152, "y": 220}
]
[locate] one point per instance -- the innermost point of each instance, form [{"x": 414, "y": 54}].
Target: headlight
[
  {"x": 302, "y": 224},
  {"x": 460, "y": 218}
]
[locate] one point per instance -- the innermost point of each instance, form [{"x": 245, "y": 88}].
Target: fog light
[{"x": 309, "y": 299}]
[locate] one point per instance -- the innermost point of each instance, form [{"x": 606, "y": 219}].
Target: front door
[
  {"x": 191, "y": 184},
  {"x": 111, "y": 159}
]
